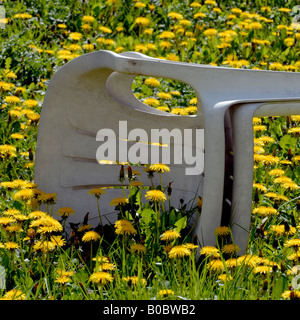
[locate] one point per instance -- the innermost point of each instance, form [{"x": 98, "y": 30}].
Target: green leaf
[
  {"x": 181, "y": 223},
  {"x": 17, "y": 205},
  {"x": 172, "y": 217},
  {"x": 147, "y": 214},
  {"x": 288, "y": 142},
  {"x": 7, "y": 62},
  {"x": 278, "y": 288}
]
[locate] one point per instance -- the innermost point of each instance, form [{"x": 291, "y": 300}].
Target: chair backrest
[{"x": 87, "y": 96}]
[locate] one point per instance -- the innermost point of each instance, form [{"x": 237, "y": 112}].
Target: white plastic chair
[{"x": 93, "y": 91}]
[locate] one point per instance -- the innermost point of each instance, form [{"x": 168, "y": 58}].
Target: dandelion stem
[{"x": 99, "y": 213}]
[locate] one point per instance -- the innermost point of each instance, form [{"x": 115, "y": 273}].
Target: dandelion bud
[
  {"x": 129, "y": 172},
  {"x": 256, "y": 198},
  {"x": 31, "y": 233},
  {"x": 169, "y": 189},
  {"x": 290, "y": 154},
  {"x": 121, "y": 175},
  {"x": 30, "y": 154},
  {"x": 199, "y": 201}
]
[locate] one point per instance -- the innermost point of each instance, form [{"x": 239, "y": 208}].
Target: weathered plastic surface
[{"x": 93, "y": 92}]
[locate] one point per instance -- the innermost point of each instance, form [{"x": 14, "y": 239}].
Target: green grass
[{"x": 36, "y": 266}]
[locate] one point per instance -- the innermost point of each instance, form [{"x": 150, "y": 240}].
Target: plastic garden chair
[{"x": 93, "y": 91}]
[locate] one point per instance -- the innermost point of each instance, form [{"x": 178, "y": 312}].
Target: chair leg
[
  {"x": 214, "y": 166},
  {"x": 242, "y": 126}
]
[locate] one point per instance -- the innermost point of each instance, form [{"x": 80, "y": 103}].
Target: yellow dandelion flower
[
  {"x": 120, "y": 201},
  {"x": 222, "y": 231},
  {"x": 256, "y": 120},
  {"x": 259, "y": 150},
  {"x": 175, "y": 15},
  {"x": 48, "y": 198},
  {"x": 22, "y": 16},
  {"x": 62, "y": 279},
  {"x": 155, "y": 196},
  {"x": 88, "y": 19},
  {"x": 90, "y": 236},
  {"x": 152, "y": 82},
  {"x": 262, "y": 269},
  {"x": 282, "y": 229},
  {"x": 30, "y": 103},
  {"x": 269, "y": 160},
  {"x": 165, "y": 44},
  {"x": 17, "y": 136},
  {"x": 255, "y": 26},
  {"x": 59, "y": 241},
  {"x": 282, "y": 179},
  {"x": 46, "y": 224},
  {"x": 11, "y": 212},
  {"x": 159, "y": 167},
  {"x": 151, "y": 102},
  {"x": 294, "y": 130},
  {"x": 7, "y": 150},
  {"x": 260, "y": 187},
  {"x": 295, "y": 243},
  {"x": 191, "y": 246},
  {"x": 138, "y": 248},
  {"x": 7, "y": 220},
  {"x": 179, "y": 252},
  {"x": 210, "y": 32},
  {"x": 12, "y": 99},
  {"x": 265, "y": 211},
  {"x": 134, "y": 280},
  {"x": 165, "y": 109},
  {"x": 230, "y": 248},
  {"x": 170, "y": 235},
  {"x": 44, "y": 246},
  {"x": 164, "y": 95},
  {"x": 24, "y": 194},
  {"x": 106, "y": 266},
  {"x": 10, "y": 245},
  {"x": 179, "y": 111},
  {"x": 135, "y": 183},
  {"x": 216, "y": 265},
  {"x": 290, "y": 185},
  {"x": 257, "y": 128},
  {"x": 75, "y": 35},
  {"x": 101, "y": 277},
  {"x": 84, "y": 228},
  {"x": 210, "y": 251},
  {"x": 232, "y": 263},
  {"x": 97, "y": 192},
  {"x": 225, "y": 277},
  {"x": 167, "y": 35},
  {"x": 291, "y": 294},
  {"x": 166, "y": 292},
  {"x": 65, "y": 212},
  {"x": 276, "y": 172},
  {"x": 124, "y": 227},
  {"x": 248, "y": 260},
  {"x": 295, "y": 118},
  {"x": 105, "y": 29},
  {"x": 142, "y": 21},
  {"x": 14, "y": 294}
]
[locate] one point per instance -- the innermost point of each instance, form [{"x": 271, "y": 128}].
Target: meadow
[{"x": 149, "y": 253}]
